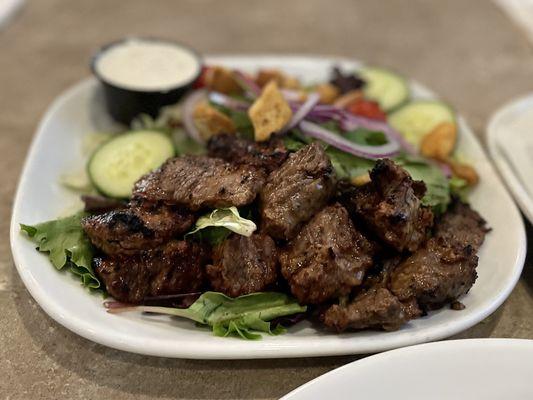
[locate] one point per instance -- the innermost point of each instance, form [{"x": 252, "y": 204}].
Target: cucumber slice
[
  {"x": 118, "y": 163},
  {"x": 388, "y": 88},
  {"x": 418, "y": 118}
]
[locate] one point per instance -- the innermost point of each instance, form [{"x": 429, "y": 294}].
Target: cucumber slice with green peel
[
  {"x": 388, "y": 88},
  {"x": 118, "y": 163},
  {"x": 418, "y": 118}
]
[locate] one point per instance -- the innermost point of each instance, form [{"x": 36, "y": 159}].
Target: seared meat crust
[
  {"x": 390, "y": 206},
  {"x": 267, "y": 156},
  {"x": 136, "y": 228},
  {"x": 243, "y": 265},
  {"x": 461, "y": 226},
  {"x": 374, "y": 308},
  {"x": 327, "y": 259},
  {"x": 177, "y": 267},
  {"x": 445, "y": 267},
  {"x": 296, "y": 191},
  {"x": 198, "y": 182}
]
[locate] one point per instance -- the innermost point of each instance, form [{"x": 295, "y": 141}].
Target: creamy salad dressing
[{"x": 147, "y": 65}]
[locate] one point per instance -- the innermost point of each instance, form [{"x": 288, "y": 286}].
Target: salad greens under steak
[{"x": 357, "y": 119}]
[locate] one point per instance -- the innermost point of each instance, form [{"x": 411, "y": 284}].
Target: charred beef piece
[
  {"x": 461, "y": 226},
  {"x": 375, "y": 308},
  {"x": 198, "y": 182},
  {"x": 243, "y": 265},
  {"x": 176, "y": 267},
  {"x": 327, "y": 259},
  {"x": 141, "y": 226},
  {"x": 445, "y": 267},
  {"x": 390, "y": 206},
  {"x": 95, "y": 204},
  {"x": 263, "y": 155},
  {"x": 296, "y": 191}
]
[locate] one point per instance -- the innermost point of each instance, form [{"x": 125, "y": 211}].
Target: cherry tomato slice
[
  {"x": 200, "y": 82},
  {"x": 367, "y": 108}
]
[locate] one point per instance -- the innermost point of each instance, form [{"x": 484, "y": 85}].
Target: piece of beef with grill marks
[
  {"x": 390, "y": 206},
  {"x": 96, "y": 204},
  {"x": 445, "y": 267},
  {"x": 461, "y": 226},
  {"x": 296, "y": 191},
  {"x": 198, "y": 182},
  {"x": 327, "y": 259},
  {"x": 140, "y": 226},
  {"x": 267, "y": 155},
  {"x": 376, "y": 308},
  {"x": 174, "y": 268},
  {"x": 243, "y": 265}
]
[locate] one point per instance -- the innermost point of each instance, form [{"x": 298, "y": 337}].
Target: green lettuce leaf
[
  {"x": 459, "y": 188},
  {"x": 438, "y": 187},
  {"x": 240, "y": 119},
  {"x": 184, "y": 144},
  {"x": 347, "y": 165},
  {"x": 244, "y": 316},
  {"x": 366, "y": 137},
  {"x": 228, "y": 218},
  {"x": 67, "y": 246}
]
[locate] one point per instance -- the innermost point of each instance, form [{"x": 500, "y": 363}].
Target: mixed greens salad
[{"x": 358, "y": 117}]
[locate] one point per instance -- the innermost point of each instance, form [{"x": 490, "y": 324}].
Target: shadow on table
[{"x": 96, "y": 365}]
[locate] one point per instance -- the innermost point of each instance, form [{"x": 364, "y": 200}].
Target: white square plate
[{"x": 55, "y": 149}]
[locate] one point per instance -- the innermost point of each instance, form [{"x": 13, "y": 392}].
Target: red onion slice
[
  {"x": 350, "y": 122},
  {"x": 227, "y": 101},
  {"x": 189, "y": 104},
  {"x": 389, "y": 149},
  {"x": 247, "y": 84},
  {"x": 292, "y": 95},
  {"x": 302, "y": 111}
]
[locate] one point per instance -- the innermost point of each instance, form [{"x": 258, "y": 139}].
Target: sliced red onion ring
[
  {"x": 292, "y": 95},
  {"x": 189, "y": 105},
  {"x": 247, "y": 84},
  {"x": 227, "y": 101},
  {"x": 302, "y": 112},
  {"x": 350, "y": 122},
  {"x": 389, "y": 149}
]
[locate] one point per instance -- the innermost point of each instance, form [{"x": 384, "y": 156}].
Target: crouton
[
  {"x": 360, "y": 180},
  {"x": 328, "y": 93},
  {"x": 439, "y": 143},
  {"x": 464, "y": 171},
  {"x": 222, "y": 80},
  {"x": 348, "y": 98},
  {"x": 290, "y": 82},
  {"x": 209, "y": 121},
  {"x": 269, "y": 113},
  {"x": 264, "y": 76}
]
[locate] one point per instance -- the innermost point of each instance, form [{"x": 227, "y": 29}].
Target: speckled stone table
[{"x": 468, "y": 51}]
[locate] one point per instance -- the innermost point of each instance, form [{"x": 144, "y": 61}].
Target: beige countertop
[{"x": 468, "y": 51}]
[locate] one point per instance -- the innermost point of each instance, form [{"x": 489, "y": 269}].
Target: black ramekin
[{"x": 125, "y": 104}]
